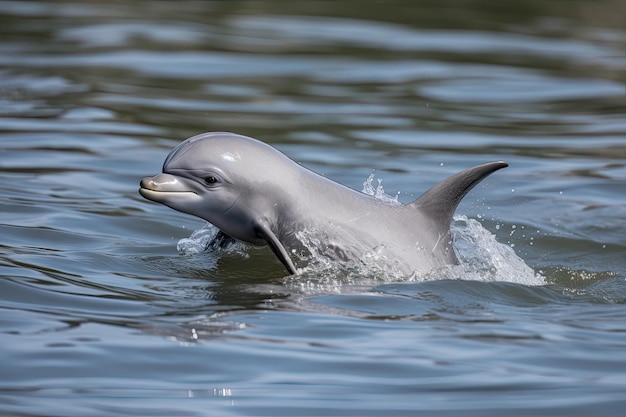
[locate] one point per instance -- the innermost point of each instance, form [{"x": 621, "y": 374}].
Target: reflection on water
[{"x": 97, "y": 303}]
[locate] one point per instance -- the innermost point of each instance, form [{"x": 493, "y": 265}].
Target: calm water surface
[{"x": 102, "y": 315}]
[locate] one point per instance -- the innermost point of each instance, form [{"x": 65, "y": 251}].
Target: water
[{"x": 102, "y": 315}]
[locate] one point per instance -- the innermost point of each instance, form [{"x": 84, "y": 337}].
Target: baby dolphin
[{"x": 254, "y": 193}]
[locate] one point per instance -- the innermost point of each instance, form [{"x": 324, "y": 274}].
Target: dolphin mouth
[
  {"x": 164, "y": 187},
  {"x": 160, "y": 195}
]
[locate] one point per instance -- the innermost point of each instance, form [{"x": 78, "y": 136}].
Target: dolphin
[{"x": 254, "y": 193}]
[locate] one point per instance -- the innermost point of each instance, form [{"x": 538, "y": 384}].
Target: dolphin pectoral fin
[
  {"x": 440, "y": 201},
  {"x": 279, "y": 250}
]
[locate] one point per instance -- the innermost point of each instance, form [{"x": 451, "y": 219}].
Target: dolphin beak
[
  {"x": 164, "y": 187},
  {"x": 162, "y": 183}
]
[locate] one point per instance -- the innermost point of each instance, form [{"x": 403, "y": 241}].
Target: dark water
[{"x": 101, "y": 315}]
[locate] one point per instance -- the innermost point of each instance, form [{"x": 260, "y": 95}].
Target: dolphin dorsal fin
[{"x": 441, "y": 200}]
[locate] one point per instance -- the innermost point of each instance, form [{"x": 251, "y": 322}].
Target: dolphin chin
[{"x": 254, "y": 193}]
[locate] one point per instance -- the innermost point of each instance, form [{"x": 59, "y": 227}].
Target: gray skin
[{"x": 252, "y": 192}]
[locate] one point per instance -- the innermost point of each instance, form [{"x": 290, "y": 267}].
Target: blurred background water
[{"x": 100, "y": 315}]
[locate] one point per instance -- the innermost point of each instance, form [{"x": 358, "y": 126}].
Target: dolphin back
[{"x": 440, "y": 202}]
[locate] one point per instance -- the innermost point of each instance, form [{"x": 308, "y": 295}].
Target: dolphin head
[{"x": 219, "y": 177}]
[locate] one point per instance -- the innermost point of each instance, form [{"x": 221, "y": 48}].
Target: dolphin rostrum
[{"x": 254, "y": 193}]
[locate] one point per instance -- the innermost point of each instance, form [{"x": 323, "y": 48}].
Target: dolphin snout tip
[{"x": 147, "y": 182}]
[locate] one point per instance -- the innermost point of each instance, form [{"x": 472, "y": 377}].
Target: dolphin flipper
[
  {"x": 441, "y": 200},
  {"x": 264, "y": 232}
]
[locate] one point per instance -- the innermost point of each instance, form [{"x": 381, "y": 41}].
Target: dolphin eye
[{"x": 211, "y": 179}]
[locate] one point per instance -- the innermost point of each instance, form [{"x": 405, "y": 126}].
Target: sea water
[{"x": 101, "y": 315}]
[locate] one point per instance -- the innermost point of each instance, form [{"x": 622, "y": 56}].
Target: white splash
[
  {"x": 203, "y": 239},
  {"x": 198, "y": 241},
  {"x": 378, "y": 192},
  {"x": 483, "y": 258}
]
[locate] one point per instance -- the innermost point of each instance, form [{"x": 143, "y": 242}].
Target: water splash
[
  {"x": 378, "y": 192},
  {"x": 198, "y": 241},
  {"x": 483, "y": 258},
  {"x": 206, "y": 239}
]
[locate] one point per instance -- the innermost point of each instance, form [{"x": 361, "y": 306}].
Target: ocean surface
[{"x": 111, "y": 306}]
